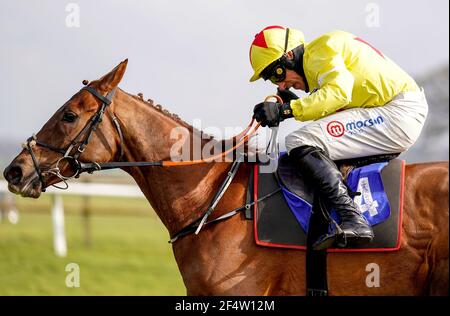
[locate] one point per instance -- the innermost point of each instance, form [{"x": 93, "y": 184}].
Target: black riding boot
[{"x": 322, "y": 173}]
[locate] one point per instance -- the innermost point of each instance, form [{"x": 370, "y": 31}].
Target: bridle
[
  {"x": 72, "y": 152},
  {"x": 79, "y": 167},
  {"x": 72, "y": 157}
]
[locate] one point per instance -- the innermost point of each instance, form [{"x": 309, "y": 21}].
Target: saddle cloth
[{"x": 282, "y": 220}]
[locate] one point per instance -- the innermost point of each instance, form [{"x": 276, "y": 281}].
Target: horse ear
[{"x": 112, "y": 79}]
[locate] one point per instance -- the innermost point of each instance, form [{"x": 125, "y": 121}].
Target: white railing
[{"x": 83, "y": 189}]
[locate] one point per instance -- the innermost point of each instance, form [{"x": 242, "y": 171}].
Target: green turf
[
  {"x": 97, "y": 204},
  {"x": 129, "y": 255}
]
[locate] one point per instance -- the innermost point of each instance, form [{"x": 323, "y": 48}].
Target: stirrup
[{"x": 337, "y": 239}]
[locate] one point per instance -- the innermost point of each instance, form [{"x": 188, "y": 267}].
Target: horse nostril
[{"x": 13, "y": 174}]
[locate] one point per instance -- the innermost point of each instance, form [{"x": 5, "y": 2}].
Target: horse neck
[{"x": 178, "y": 194}]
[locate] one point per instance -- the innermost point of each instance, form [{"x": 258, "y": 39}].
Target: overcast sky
[{"x": 189, "y": 56}]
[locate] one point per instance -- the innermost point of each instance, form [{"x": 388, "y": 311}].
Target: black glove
[
  {"x": 271, "y": 113},
  {"x": 286, "y": 95}
]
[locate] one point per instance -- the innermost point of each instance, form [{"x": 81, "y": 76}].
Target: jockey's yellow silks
[
  {"x": 347, "y": 72},
  {"x": 342, "y": 70}
]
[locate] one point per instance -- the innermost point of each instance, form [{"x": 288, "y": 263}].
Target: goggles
[{"x": 275, "y": 72}]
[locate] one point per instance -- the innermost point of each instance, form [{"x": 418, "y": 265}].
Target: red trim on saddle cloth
[
  {"x": 275, "y": 245},
  {"x": 255, "y": 228}
]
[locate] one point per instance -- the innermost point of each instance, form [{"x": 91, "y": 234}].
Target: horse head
[{"x": 81, "y": 130}]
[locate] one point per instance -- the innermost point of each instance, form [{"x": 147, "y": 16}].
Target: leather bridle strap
[
  {"x": 88, "y": 128},
  {"x": 223, "y": 188},
  {"x": 97, "y": 118},
  {"x": 192, "y": 228},
  {"x": 95, "y": 166},
  {"x": 105, "y": 100},
  {"x": 119, "y": 131},
  {"x": 35, "y": 162},
  {"x": 56, "y": 149}
]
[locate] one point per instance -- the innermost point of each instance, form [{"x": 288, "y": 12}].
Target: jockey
[{"x": 360, "y": 104}]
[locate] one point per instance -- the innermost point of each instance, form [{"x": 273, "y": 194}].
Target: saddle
[{"x": 282, "y": 221}]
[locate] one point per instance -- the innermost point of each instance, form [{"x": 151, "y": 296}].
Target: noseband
[{"x": 70, "y": 155}]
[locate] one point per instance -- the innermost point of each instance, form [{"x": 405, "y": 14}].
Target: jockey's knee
[{"x": 301, "y": 138}]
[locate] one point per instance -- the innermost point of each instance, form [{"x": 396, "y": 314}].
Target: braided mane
[{"x": 173, "y": 116}]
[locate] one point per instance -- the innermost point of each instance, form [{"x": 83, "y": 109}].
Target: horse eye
[{"x": 69, "y": 117}]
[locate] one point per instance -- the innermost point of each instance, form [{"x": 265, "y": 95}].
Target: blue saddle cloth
[{"x": 373, "y": 201}]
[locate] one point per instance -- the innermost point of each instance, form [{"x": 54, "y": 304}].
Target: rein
[
  {"x": 90, "y": 167},
  {"x": 94, "y": 166}
]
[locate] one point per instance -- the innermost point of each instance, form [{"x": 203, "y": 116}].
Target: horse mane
[{"x": 167, "y": 113}]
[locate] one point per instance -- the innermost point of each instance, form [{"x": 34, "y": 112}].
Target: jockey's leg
[{"x": 320, "y": 172}]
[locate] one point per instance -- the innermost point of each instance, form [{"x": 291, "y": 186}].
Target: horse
[{"x": 223, "y": 259}]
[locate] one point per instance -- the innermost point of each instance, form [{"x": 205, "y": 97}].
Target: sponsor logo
[{"x": 337, "y": 129}]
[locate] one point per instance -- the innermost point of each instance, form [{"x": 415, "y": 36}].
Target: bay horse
[{"x": 223, "y": 258}]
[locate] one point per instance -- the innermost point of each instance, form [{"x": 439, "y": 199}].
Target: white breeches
[{"x": 360, "y": 132}]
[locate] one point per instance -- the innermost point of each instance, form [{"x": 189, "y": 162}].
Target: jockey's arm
[{"x": 335, "y": 84}]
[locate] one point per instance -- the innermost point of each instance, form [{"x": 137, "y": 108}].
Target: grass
[
  {"x": 129, "y": 255},
  {"x": 98, "y": 205}
]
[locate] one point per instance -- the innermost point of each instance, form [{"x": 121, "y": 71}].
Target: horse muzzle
[{"x": 26, "y": 186}]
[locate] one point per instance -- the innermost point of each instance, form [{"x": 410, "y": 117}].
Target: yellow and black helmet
[{"x": 270, "y": 45}]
